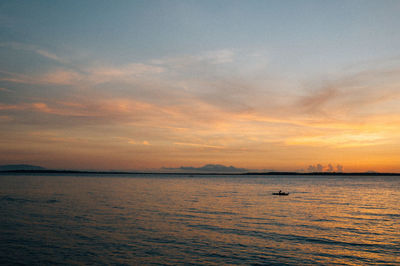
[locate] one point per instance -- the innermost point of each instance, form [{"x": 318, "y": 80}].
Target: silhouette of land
[
  {"x": 49, "y": 171},
  {"x": 212, "y": 169},
  {"x": 26, "y": 167}
]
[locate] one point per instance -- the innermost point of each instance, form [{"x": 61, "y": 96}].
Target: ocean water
[{"x": 199, "y": 220}]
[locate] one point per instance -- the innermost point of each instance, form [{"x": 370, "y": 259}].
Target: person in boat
[{"x": 281, "y": 193}]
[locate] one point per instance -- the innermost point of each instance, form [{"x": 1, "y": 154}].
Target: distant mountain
[
  {"x": 210, "y": 168},
  {"x": 26, "y": 167}
]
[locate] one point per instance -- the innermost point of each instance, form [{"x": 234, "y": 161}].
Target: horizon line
[{"x": 66, "y": 171}]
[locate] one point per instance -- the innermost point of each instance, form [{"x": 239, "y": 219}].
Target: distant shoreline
[{"x": 194, "y": 173}]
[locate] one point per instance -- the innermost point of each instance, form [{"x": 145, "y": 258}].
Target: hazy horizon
[
  {"x": 206, "y": 168},
  {"x": 282, "y": 85}
]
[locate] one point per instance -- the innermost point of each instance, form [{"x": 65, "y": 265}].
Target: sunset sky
[{"x": 148, "y": 84}]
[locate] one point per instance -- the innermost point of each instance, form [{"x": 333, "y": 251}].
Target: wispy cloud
[
  {"x": 345, "y": 140},
  {"x": 101, "y": 74},
  {"x": 198, "y": 145},
  {"x": 33, "y": 48},
  {"x": 194, "y": 103},
  {"x": 58, "y": 76},
  {"x": 5, "y": 89},
  {"x": 12, "y": 107},
  {"x": 216, "y": 57},
  {"x": 145, "y": 92},
  {"x": 353, "y": 97}
]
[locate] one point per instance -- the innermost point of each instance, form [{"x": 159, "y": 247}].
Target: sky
[{"x": 280, "y": 85}]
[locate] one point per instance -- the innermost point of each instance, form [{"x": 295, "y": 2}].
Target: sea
[{"x": 172, "y": 219}]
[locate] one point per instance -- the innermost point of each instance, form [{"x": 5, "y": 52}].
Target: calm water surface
[{"x": 199, "y": 220}]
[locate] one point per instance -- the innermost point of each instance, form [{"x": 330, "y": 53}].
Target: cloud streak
[
  {"x": 34, "y": 49},
  {"x": 199, "y": 103}
]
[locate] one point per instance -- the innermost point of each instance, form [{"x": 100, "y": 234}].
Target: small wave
[
  {"x": 390, "y": 215},
  {"x": 211, "y": 212},
  {"x": 52, "y": 201},
  {"x": 10, "y": 199},
  {"x": 371, "y": 208},
  {"x": 295, "y": 238},
  {"x": 13, "y": 199},
  {"x": 81, "y": 218},
  {"x": 253, "y": 218},
  {"x": 358, "y": 231},
  {"x": 375, "y": 216},
  {"x": 323, "y": 220},
  {"x": 186, "y": 216}
]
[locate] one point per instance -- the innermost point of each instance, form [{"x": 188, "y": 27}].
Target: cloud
[
  {"x": 7, "y": 107},
  {"x": 5, "y": 89},
  {"x": 226, "y": 111},
  {"x": 168, "y": 80},
  {"x": 196, "y": 103},
  {"x": 102, "y": 111},
  {"x": 60, "y": 77},
  {"x": 341, "y": 140},
  {"x": 101, "y": 74},
  {"x": 191, "y": 82},
  {"x": 33, "y": 48},
  {"x": 198, "y": 145},
  {"x": 5, "y": 118},
  {"x": 354, "y": 97},
  {"x": 133, "y": 142},
  {"x": 87, "y": 77},
  {"x": 319, "y": 168},
  {"x": 215, "y": 57},
  {"x": 313, "y": 104},
  {"x": 315, "y": 168}
]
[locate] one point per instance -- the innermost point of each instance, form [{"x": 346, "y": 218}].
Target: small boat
[{"x": 280, "y": 193}]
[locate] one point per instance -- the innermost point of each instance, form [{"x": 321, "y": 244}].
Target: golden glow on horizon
[{"x": 155, "y": 115}]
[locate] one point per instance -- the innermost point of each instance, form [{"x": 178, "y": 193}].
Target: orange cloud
[
  {"x": 192, "y": 109},
  {"x": 60, "y": 77},
  {"x": 198, "y": 145}
]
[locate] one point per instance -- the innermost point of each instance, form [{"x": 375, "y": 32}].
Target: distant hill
[
  {"x": 25, "y": 167},
  {"x": 210, "y": 168}
]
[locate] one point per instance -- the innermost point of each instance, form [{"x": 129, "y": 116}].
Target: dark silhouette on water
[
  {"x": 37, "y": 170},
  {"x": 280, "y": 193},
  {"x": 21, "y": 167}
]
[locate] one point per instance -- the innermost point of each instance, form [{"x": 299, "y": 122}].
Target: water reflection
[{"x": 207, "y": 220}]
